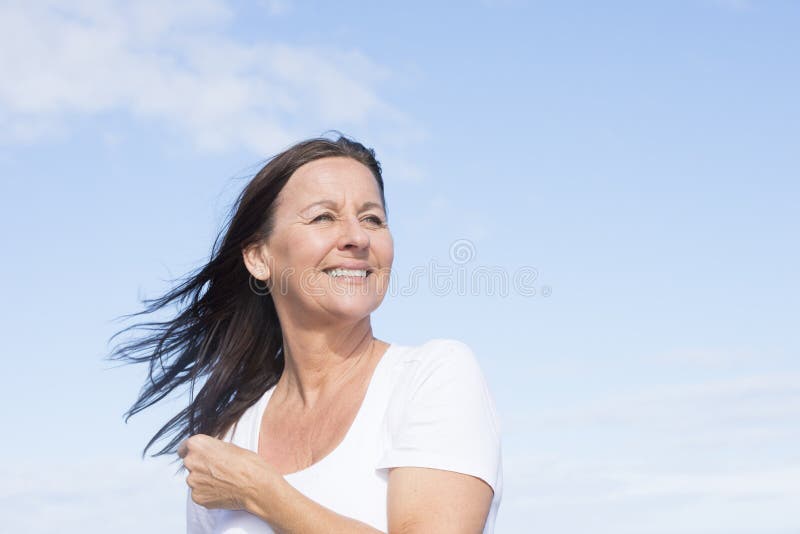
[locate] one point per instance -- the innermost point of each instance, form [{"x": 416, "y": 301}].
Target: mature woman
[{"x": 301, "y": 420}]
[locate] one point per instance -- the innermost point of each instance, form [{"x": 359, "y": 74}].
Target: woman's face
[{"x": 329, "y": 216}]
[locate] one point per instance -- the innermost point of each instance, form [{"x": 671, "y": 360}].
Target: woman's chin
[
  {"x": 350, "y": 309},
  {"x": 352, "y": 312}
]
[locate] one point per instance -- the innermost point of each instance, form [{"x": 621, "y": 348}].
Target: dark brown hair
[{"x": 225, "y": 343}]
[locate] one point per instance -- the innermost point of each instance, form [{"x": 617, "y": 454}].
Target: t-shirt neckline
[{"x": 350, "y": 431}]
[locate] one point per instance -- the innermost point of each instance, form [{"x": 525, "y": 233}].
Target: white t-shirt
[{"x": 425, "y": 406}]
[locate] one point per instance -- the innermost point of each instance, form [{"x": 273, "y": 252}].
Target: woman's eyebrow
[{"x": 332, "y": 204}]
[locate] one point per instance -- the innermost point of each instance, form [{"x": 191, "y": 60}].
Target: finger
[
  {"x": 193, "y": 461},
  {"x": 199, "y": 498},
  {"x": 183, "y": 448}
]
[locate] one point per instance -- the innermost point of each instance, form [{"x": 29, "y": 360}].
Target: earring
[{"x": 258, "y": 286}]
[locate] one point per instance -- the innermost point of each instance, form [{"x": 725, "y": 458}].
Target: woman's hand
[{"x": 222, "y": 475}]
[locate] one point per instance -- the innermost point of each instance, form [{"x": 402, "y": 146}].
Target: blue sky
[{"x": 639, "y": 157}]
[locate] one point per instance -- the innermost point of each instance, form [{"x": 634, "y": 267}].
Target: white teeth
[{"x": 347, "y": 272}]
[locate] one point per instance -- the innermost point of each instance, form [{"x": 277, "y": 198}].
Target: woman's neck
[{"x": 319, "y": 363}]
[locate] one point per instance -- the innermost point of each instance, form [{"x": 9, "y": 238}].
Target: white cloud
[
  {"x": 118, "y": 495},
  {"x": 626, "y": 495},
  {"x": 773, "y": 397},
  {"x": 558, "y": 479},
  {"x": 705, "y": 356},
  {"x": 702, "y": 456},
  {"x": 175, "y": 63}
]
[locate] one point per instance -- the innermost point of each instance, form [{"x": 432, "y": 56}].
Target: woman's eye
[
  {"x": 323, "y": 216},
  {"x": 374, "y": 219}
]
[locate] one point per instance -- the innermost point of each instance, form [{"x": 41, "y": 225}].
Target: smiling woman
[
  {"x": 301, "y": 420},
  {"x": 323, "y": 250}
]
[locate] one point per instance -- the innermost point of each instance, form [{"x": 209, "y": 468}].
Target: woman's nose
[{"x": 353, "y": 234}]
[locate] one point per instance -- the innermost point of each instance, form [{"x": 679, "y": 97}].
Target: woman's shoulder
[
  {"x": 437, "y": 356},
  {"x": 442, "y": 414},
  {"x": 437, "y": 350}
]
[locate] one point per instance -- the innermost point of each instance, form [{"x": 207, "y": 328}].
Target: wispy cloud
[
  {"x": 747, "y": 409},
  {"x": 628, "y": 496},
  {"x": 705, "y": 356},
  {"x": 178, "y": 64},
  {"x": 92, "y": 496},
  {"x": 711, "y": 456}
]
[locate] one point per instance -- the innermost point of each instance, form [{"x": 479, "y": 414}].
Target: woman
[{"x": 303, "y": 421}]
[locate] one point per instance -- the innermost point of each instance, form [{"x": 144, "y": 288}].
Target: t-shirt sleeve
[{"x": 444, "y": 416}]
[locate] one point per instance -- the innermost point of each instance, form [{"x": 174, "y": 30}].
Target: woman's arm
[
  {"x": 434, "y": 500},
  {"x": 420, "y": 500},
  {"x": 222, "y": 475},
  {"x": 290, "y": 512}
]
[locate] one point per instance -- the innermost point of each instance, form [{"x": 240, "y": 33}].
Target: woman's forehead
[{"x": 332, "y": 181}]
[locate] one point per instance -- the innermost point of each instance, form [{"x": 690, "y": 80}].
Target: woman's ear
[{"x": 255, "y": 259}]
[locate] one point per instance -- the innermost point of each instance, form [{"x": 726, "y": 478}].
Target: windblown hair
[{"x": 225, "y": 343}]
